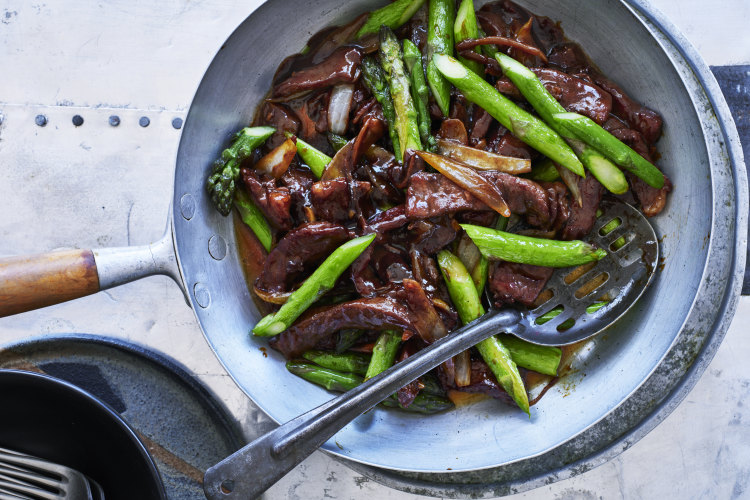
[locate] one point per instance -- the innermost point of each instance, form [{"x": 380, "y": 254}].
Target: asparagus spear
[
  {"x": 347, "y": 338},
  {"x": 588, "y": 131},
  {"x": 553, "y": 313},
  {"x": 466, "y": 27},
  {"x": 392, "y": 15},
  {"x": 406, "y": 115},
  {"x": 419, "y": 92},
  {"x": 547, "y": 106},
  {"x": 426, "y": 403},
  {"x": 315, "y": 159},
  {"x": 222, "y": 181},
  {"x": 383, "y": 353},
  {"x": 527, "y": 250},
  {"x": 354, "y": 362},
  {"x": 253, "y": 217},
  {"x": 544, "y": 171},
  {"x": 466, "y": 299},
  {"x": 319, "y": 282},
  {"x": 476, "y": 263},
  {"x": 539, "y": 358},
  {"x": 374, "y": 79},
  {"x": 522, "y": 124},
  {"x": 440, "y": 22}
]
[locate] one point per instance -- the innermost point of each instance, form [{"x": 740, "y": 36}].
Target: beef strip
[
  {"x": 305, "y": 245},
  {"x": 342, "y": 66},
  {"x": 331, "y": 200},
  {"x": 431, "y": 195},
  {"x": 517, "y": 283},
  {"x": 274, "y": 202},
  {"x": 582, "y": 218},
  {"x": 576, "y": 94},
  {"x": 430, "y": 236},
  {"x": 376, "y": 313},
  {"x": 639, "y": 117},
  {"x": 282, "y": 119}
]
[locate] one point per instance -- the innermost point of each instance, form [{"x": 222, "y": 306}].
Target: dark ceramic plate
[{"x": 55, "y": 420}]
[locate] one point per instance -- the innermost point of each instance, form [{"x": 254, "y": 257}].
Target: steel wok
[{"x": 626, "y": 380}]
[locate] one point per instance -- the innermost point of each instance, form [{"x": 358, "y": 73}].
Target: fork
[{"x": 24, "y": 476}]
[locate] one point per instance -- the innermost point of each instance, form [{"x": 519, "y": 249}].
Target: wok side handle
[{"x": 36, "y": 281}]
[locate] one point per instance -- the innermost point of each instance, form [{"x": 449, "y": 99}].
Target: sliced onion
[
  {"x": 469, "y": 179},
  {"x": 483, "y": 160},
  {"x": 277, "y": 161},
  {"x": 571, "y": 180},
  {"x": 462, "y": 369},
  {"x": 339, "y": 107},
  {"x": 271, "y": 297}
]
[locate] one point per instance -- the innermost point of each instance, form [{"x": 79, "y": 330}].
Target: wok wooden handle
[{"x": 31, "y": 282}]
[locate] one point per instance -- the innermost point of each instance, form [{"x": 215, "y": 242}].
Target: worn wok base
[{"x": 635, "y": 373}]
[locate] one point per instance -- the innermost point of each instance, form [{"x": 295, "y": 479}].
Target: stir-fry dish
[{"x": 417, "y": 166}]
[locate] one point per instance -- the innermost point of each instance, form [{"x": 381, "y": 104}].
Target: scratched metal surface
[{"x": 100, "y": 185}]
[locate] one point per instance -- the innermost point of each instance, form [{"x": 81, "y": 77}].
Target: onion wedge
[
  {"x": 277, "y": 161},
  {"x": 469, "y": 179},
  {"x": 483, "y": 160}
]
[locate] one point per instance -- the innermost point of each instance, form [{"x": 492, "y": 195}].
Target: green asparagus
[
  {"x": 420, "y": 92},
  {"x": 544, "y": 171},
  {"x": 406, "y": 114},
  {"x": 441, "y": 17},
  {"x": 392, "y": 15},
  {"x": 539, "y": 358},
  {"x": 527, "y": 250},
  {"x": 466, "y": 299},
  {"x": 374, "y": 79},
  {"x": 222, "y": 181},
  {"x": 315, "y": 159},
  {"x": 252, "y": 216},
  {"x": 425, "y": 402},
  {"x": 319, "y": 282},
  {"x": 354, "y": 362},
  {"x": 466, "y": 27},
  {"x": 347, "y": 338},
  {"x": 588, "y": 131},
  {"x": 383, "y": 353},
  {"x": 522, "y": 124},
  {"x": 547, "y": 106}
]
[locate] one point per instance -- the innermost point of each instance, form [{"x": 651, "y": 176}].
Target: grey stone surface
[{"x": 96, "y": 185}]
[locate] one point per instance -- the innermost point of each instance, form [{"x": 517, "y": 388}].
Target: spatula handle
[{"x": 257, "y": 466}]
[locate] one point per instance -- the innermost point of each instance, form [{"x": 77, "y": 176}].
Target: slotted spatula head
[{"x": 618, "y": 279}]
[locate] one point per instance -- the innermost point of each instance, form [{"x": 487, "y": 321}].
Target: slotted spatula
[{"x": 618, "y": 279}]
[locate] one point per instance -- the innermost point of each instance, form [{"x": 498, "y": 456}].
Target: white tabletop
[{"x": 135, "y": 58}]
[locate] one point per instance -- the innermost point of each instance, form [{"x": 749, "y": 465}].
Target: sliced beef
[
  {"x": 517, "y": 283},
  {"x": 308, "y": 244},
  {"x": 454, "y": 129},
  {"x": 376, "y": 313},
  {"x": 334, "y": 200},
  {"x": 480, "y": 125},
  {"x": 430, "y": 236},
  {"x": 582, "y": 218},
  {"x": 299, "y": 181},
  {"x": 506, "y": 144},
  {"x": 576, "y": 94},
  {"x": 342, "y": 66},
  {"x": 274, "y": 202},
  {"x": 431, "y": 195},
  {"x": 391, "y": 219},
  {"x": 282, "y": 119},
  {"x": 652, "y": 200},
  {"x": 639, "y": 117},
  {"x": 569, "y": 57}
]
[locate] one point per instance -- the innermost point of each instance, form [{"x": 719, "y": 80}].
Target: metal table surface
[{"x": 97, "y": 185}]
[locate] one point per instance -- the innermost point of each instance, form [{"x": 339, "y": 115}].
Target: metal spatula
[{"x": 619, "y": 279}]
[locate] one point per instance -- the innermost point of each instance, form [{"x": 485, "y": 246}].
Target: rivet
[
  {"x": 177, "y": 123},
  {"x": 217, "y": 247},
  {"x": 187, "y": 206},
  {"x": 144, "y": 121},
  {"x": 114, "y": 120},
  {"x": 77, "y": 120},
  {"x": 202, "y": 295},
  {"x": 40, "y": 120}
]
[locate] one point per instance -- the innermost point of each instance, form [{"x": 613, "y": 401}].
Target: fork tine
[
  {"x": 32, "y": 478},
  {"x": 31, "y": 491},
  {"x": 8, "y": 457},
  {"x": 9, "y": 495}
]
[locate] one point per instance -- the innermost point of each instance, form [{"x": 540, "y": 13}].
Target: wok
[{"x": 635, "y": 373}]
